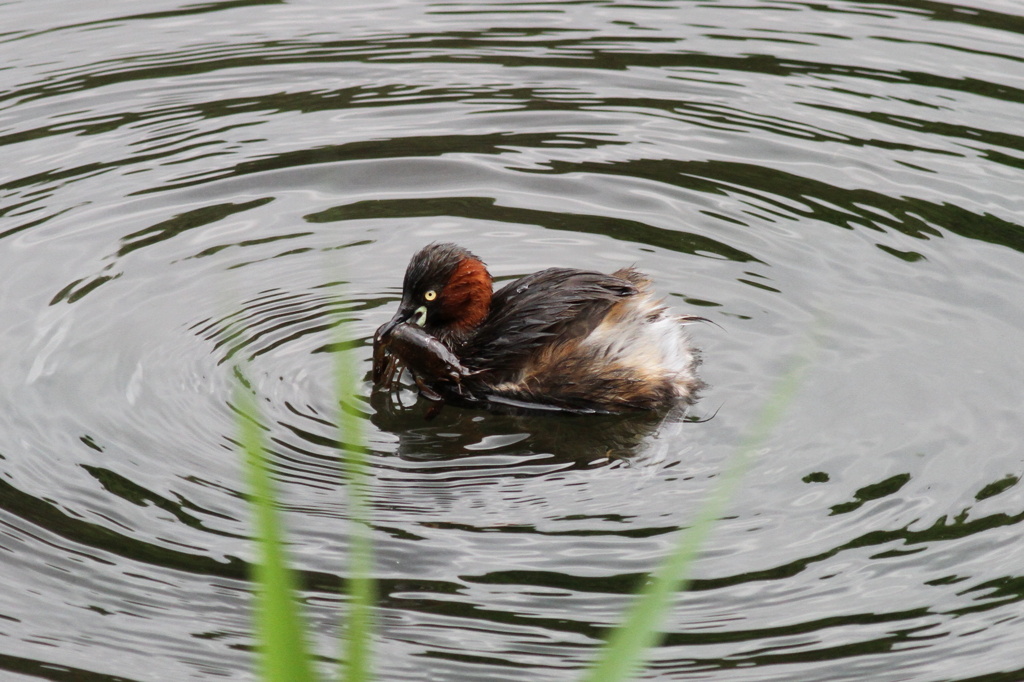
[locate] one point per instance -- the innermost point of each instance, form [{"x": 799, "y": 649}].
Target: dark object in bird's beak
[{"x": 385, "y": 363}]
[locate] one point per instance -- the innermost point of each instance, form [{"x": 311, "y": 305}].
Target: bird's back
[{"x": 582, "y": 341}]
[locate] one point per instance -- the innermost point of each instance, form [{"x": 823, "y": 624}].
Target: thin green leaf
[
  {"x": 357, "y": 652},
  {"x": 284, "y": 653},
  {"x": 627, "y": 645}
]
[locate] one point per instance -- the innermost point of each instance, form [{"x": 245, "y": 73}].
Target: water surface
[{"x": 187, "y": 186}]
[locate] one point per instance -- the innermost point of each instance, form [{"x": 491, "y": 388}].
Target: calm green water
[{"x": 186, "y": 185}]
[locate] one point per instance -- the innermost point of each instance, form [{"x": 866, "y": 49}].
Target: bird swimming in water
[{"x": 560, "y": 339}]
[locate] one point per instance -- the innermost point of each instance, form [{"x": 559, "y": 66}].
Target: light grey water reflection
[{"x": 189, "y": 185}]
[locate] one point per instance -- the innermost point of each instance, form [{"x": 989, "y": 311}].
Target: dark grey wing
[{"x": 557, "y": 304}]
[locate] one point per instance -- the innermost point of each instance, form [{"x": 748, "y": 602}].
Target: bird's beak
[{"x": 404, "y": 313}]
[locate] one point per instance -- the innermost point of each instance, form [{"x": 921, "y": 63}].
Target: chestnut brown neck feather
[{"x": 467, "y": 295}]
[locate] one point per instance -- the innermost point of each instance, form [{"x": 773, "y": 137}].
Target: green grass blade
[
  {"x": 357, "y": 650},
  {"x": 284, "y": 653},
  {"x": 627, "y": 645}
]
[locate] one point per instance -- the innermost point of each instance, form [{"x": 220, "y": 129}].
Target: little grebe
[{"x": 561, "y": 339}]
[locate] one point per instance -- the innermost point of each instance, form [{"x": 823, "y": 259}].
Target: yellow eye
[{"x": 430, "y": 295}]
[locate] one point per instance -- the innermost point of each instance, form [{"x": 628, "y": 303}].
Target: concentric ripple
[{"x": 197, "y": 192}]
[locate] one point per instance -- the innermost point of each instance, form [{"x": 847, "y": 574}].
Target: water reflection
[{"x": 428, "y": 433}]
